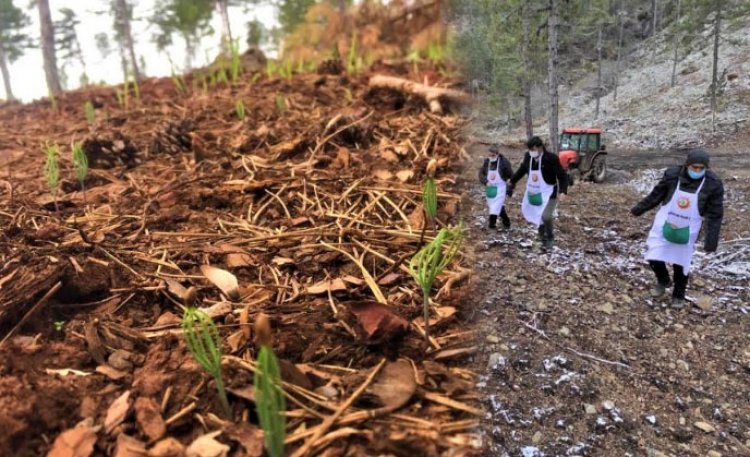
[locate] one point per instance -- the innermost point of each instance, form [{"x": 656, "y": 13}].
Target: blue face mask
[{"x": 696, "y": 174}]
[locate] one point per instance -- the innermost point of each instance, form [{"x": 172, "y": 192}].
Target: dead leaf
[
  {"x": 378, "y": 321},
  {"x": 245, "y": 321},
  {"x": 246, "y": 392},
  {"x": 282, "y": 261},
  {"x": 75, "y": 442},
  {"x": 110, "y": 372},
  {"x": 148, "y": 417},
  {"x": 127, "y": 446},
  {"x": 441, "y": 314},
  {"x": 293, "y": 375},
  {"x": 395, "y": 384},
  {"x": 168, "y": 447},
  {"x": 224, "y": 280},
  {"x": 325, "y": 286},
  {"x": 218, "y": 310},
  {"x": 179, "y": 291},
  {"x": 389, "y": 156},
  {"x": 94, "y": 342},
  {"x": 207, "y": 446},
  {"x": 389, "y": 279},
  {"x": 416, "y": 218},
  {"x": 342, "y": 158},
  {"x": 237, "y": 341},
  {"x": 117, "y": 412},
  {"x": 249, "y": 436},
  {"x": 404, "y": 175},
  {"x": 383, "y": 175}
]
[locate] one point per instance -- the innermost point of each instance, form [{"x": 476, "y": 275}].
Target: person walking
[
  {"x": 547, "y": 182},
  {"x": 688, "y": 194},
  {"x": 494, "y": 175}
]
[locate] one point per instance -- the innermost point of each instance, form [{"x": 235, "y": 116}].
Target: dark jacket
[
  {"x": 506, "y": 169},
  {"x": 710, "y": 200},
  {"x": 552, "y": 171}
]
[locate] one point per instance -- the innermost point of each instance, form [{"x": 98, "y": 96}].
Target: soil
[
  {"x": 577, "y": 358},
  {"x": 321, "y": 171}
]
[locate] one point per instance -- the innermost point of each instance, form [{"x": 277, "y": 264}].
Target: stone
[
  {"x": 589, "y": 408},
  {"x": 496, "y": 362},
  {"x": 713, "y": 454},
  {"x": 564, "y": 332},
  {"x": 705, "y": 427},
  {"x": 608, "y": 405},
  {"x": 606, "y": 308},
  {"x": 120, "y": 360},
  {"x": 655, "y": 453},
  {"x": 704, "y": 302},
  {"x": 537, "y": 438},
  {"x": 492, "y": 339}
]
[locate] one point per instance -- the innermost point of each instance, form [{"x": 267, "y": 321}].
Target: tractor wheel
[{"x": 599, "y": 169}]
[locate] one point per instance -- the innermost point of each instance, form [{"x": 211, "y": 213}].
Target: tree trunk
[
  {"x": 620, "y": 15},
  {"x": 226, "y": 34},
  {"x": 653, "y": 17},
  {"x": 6, "y": 75},
  {"x": 552, "y": 75},
  {"x": 598, "y": 73},
  {"x": 189, "y": 52},
  {"x": 528, "y": 119},
  {"x": 676, "y": 44},
  {"x": 123, "y": 22},
  {"x": 48, "y": 48},
  {"x": 715, "y": 70}
]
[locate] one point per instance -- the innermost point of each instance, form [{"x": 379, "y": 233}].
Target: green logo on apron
[
  {"x": 675, "y": 235},
  {"x": 491, "y": 191},
  {"x": 535, "y": 199}
]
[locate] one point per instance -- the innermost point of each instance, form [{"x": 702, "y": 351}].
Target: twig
[
  {"x": 328, "y": 422},
  {"x": 32, "y": 311}
]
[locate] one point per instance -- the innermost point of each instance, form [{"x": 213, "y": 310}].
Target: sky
[{"x": 27, "y": 73}]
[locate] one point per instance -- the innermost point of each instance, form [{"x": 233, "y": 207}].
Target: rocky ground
[{"x": 578, "y": 360}]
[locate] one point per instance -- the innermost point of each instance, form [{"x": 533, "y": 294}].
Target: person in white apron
[
  {"x": 688, "y": 195},
  {"x": 494, "y": 174},
  {"x": 546, "y": 181}
]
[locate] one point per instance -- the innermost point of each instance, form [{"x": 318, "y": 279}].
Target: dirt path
[{"x": 578, "y": 360}]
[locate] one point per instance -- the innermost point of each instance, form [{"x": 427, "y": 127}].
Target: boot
[
  {"x": 506, "y": 220},
  {"x": 493, "y": 221},
  {"x": 660, "y": 289},
  {"x": 540, "y": 232}
]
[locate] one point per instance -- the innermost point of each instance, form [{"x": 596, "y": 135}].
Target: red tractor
[{"x": 583, "y": 155}]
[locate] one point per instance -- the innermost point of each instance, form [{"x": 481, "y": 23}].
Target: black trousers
[
  {"x": 503, "y": 216},
  {"x": 662, "y": 275}
]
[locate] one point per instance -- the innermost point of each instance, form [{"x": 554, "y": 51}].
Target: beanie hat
[{"x": 696, "y": 156}]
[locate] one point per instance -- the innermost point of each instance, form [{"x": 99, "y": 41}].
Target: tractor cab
[{"x": 582, "y": 154}]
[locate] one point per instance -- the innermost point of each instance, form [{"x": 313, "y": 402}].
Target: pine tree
[
  {"x": 188, "y": 18},
  {"x": 13, "y": 40},
  {"x": 48, "y": 47}
]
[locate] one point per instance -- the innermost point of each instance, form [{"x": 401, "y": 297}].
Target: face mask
[
  {"x": 534, "y": 154},
  {"x": 696, "y": 174}
]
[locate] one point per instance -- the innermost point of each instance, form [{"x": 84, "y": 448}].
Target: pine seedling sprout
[
  {"x": 269, "y": 398},
  {"x": 88, "y": 109},
  {"x": 239, "y": 109},
  {"x": 52, "y": 170},
  {"x": 280, "y": 104},
  {"x": 235, "y": 62},
  {"x": 80, "y": 166},
  {"x": 352, "y": 63},
  {"x": 430, "y": 261},
  {"x": 202, "y": 339}
]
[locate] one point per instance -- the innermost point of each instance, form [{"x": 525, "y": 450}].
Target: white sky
[{"x": 27, "y": 73}]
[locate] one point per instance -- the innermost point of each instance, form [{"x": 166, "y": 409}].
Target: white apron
[
  {"x": 537, "y": 195},
  {"x": 495, "y": 191},
  {"x": 675, "y": 230}
]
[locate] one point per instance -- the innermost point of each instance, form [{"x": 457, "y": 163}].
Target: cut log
[{"x": 435, "y": 97}]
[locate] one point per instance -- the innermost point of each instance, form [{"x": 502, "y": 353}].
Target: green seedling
[
  {"x": 429, "y": 200},
  {"x": 88, "y": 109},
  {"x": 59, "y": 326},
  {"x": 280, "y": 104},
  {"x": 202, "y": 339},
  {"x": 255, "y": 78},
  {"x": 136, "y": 89},
  {"x": 221, "y": 76},
  {"x": 80, "y": 166},
  {"x": 430, "y": 261},
  {"x": 269, "y": 401},
  {"x": 352, "y": 61},
  {"x": 179, "y": 82},
  {"x": 239, "y": 109},
  {"x": 271, "y": 68},
  {"x": 235, "y": 62},
  {"x": 348, "y": 94},
  {"x": 52, "y": 170}
]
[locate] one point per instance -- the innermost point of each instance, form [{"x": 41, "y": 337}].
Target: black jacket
[
  {"x": 710, "y": 200},
  {"x": 552, "y": 171},
  {"x": 506, "y": 169}
]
